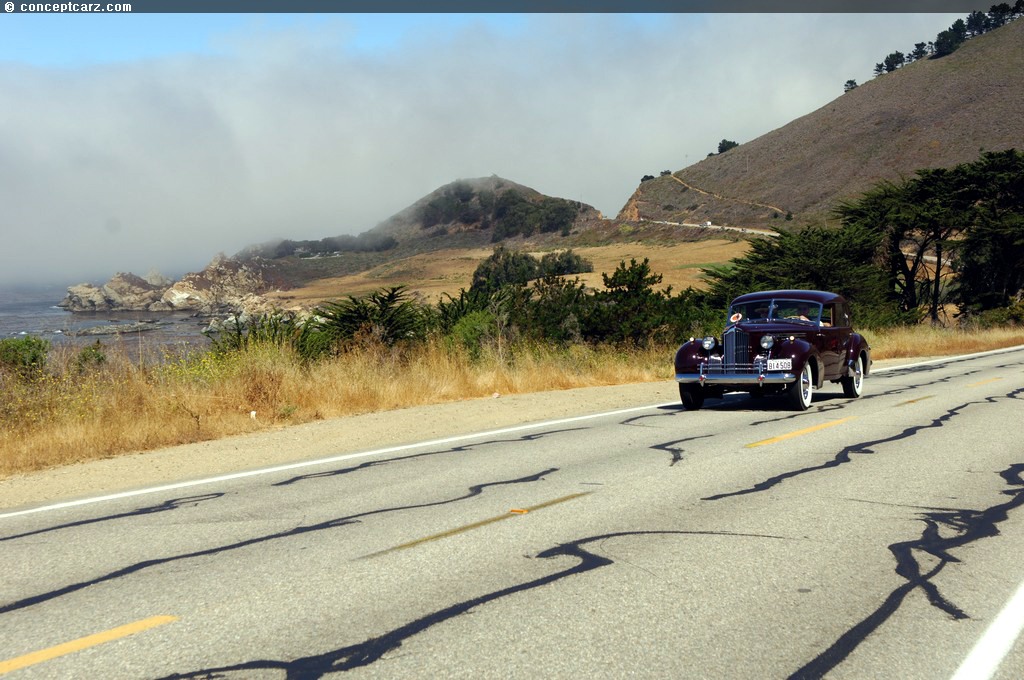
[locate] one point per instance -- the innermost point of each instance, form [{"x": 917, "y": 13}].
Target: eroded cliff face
[{"x": 224, "y": 286}]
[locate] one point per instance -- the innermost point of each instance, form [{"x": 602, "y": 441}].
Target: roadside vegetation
[
  {"x": 97, "y": 402},
  {"x": 74, "y": 409},
  {"x": 932, "y": 266}
]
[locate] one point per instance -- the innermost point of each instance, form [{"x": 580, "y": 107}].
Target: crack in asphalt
[
  {"x": 455, "y": 449},
  {"x": 474, "y": 490},
  {"x": 172, "y": 504},
  {"x": 902, "y": 389},
  {"x": 373, "y": 649},
  {"x": 862, "y": 448},
  {"x": 192, "y": 501},
  {"x": 968, "y": 526},
  {"x": 677, "y": 453},
  {"x": 668, "y": 447},
  {"x": 634, "y": 421},
  {"x": 818, "y": 410}
]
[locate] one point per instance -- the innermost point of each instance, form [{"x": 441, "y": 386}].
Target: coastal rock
[
  {"x": 224, "y": 286},
  {"x": 117, "y": 329},
  {"x": 125, "y": 291},
  {"x": 129, "y": 291},
  {"x": 85, "y": 297}
]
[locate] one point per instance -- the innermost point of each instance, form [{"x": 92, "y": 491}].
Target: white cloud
[{"x": 161, "y": 163}]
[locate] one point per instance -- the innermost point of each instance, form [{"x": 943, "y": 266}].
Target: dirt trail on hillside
[{"x": 726, "y": 198}]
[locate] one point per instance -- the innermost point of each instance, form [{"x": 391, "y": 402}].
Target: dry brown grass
[
  {"x": 431, "y": 275},
  {"x": 68, "y": 415},
  {"x": 926, "y": 341}
]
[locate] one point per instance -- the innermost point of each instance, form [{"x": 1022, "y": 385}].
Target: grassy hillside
[{"x": 931, "y": 113}]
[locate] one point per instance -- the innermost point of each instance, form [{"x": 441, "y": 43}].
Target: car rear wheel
[
  {"x": 691, "y": 396},
  {"x": 853, "y": 384},
  {"x": 801, "y": 391}
]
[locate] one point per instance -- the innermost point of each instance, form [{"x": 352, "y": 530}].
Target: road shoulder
[{"x": 311, "y": 441}]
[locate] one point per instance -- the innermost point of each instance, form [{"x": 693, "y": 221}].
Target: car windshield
[{"x": 773, "y": 309}]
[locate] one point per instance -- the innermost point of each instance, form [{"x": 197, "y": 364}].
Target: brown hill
[{"x": 930, "y": 113}]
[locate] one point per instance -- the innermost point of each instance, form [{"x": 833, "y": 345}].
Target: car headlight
[
  {"x": 708, "y": 343},
  {"x": 767, "y": 341}
]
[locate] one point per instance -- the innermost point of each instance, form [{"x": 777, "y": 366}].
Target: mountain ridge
[{"x": 935, "y": 112}]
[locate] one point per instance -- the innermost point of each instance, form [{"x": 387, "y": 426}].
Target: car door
[{"x": 834, "y": 338}]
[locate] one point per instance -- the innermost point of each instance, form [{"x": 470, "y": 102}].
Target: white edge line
[
  {"x": 943, "y": 360},
  {"x": 997, "y": 640},
  {"x": 405, "y": 447},
  {"x": 321, "y": 461}
]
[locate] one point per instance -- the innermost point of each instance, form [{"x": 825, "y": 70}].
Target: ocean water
[{"x": 36, "y": 313}]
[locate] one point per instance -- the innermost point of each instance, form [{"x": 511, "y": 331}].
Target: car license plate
[{"x": 780, "y": 364}]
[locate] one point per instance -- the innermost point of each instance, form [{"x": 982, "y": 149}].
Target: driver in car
[{"x": 804, "y": 313}]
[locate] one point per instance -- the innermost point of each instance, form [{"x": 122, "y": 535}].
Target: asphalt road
[{"x": 870, "y": 538}]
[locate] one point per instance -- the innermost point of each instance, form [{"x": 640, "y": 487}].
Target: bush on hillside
[{"x": 506, "y": 266}]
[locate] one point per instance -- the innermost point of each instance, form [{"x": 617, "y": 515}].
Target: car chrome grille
[{"x": 736, "y": 350}]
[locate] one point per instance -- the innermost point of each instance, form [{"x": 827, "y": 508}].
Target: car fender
[
  {"x": 858, "y": 345},
  {"x": 690, "y": 356},
  {"x": 800, "y": 351}
]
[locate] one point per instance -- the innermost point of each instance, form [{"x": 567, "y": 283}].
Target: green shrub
[
  {"x": 472, "y": 330},
  {"x": 1011, "y": 315},
  {"x": 242, "y": 332},
  {"x": 91, "y": 356},
  {"x": 390, "y": 315},
  {"x": 24, "y": 356},
  {"x": 562, "y": 263}
]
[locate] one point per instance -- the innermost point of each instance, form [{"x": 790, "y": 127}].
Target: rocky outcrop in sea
[
  {"x": 225, "y": 286},
  {"x": 124, "y": 291}
]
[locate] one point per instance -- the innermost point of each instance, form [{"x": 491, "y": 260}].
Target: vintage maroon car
[{"x": 786, "y": 341}]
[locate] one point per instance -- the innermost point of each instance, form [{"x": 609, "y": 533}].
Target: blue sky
[
  {"x": 69, "y": 40},
  {"x": 139, "y": 142}
]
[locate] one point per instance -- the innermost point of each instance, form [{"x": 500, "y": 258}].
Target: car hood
[{"x": 774, "y": 328}]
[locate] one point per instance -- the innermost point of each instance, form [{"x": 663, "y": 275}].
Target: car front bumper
[{"x": 720, "y": 378}]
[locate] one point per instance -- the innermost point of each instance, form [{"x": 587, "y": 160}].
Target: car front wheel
[
  {"x": 691, "y": 396},
  {"x": 801, "y": 390},
  {"x": 853, "y": 384}
]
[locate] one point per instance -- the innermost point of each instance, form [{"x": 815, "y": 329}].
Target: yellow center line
[
  {"x": 984, "y": 382},
  {"x": 914, "y": 401},
  {"x": 806, "y": 430},
  {"x": 84, "y": 643},
  {"x": 476, "y": 525}
]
